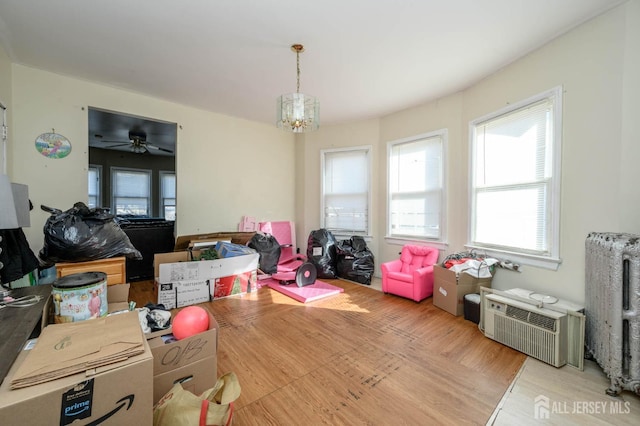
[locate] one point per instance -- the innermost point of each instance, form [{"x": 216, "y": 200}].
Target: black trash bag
[
  {"x": 321, "y": 251},
  {"x": 354, "y": 260},
  {"x": 81, "y": 234},
  {"x": 269, "y": 250}
]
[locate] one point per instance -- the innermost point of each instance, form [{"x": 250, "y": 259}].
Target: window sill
[
  {"x": 551, "y": 263},
  {"x": 440, "y": 245}
]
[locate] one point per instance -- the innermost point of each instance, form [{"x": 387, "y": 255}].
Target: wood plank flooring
[{"x": 361, "y": 357}]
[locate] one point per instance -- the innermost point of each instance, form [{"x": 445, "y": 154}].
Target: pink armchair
[{"x": 411, "y": 276}]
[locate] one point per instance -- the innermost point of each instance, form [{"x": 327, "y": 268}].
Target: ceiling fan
[{"x": 138, "y": 143}]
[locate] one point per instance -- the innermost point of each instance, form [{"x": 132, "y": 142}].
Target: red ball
[{"x": 189, "y": 321}]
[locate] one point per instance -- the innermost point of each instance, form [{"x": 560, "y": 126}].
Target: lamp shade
[
  {"x": 8, "y": 216},
  {"x": 21, "y": 201},
  {"x": 14, "y": 204}
]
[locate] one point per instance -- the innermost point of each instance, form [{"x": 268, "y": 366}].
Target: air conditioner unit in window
[{"x": 551, "y": 331}]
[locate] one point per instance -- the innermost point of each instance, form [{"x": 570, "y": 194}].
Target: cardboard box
[
  {"x": 231, "y": 285},
  {"x": 181, "y": 282},
  {"x": 450, "y": 288},
  {"x": 173, "y": 257},
  {"x": 184, "y": 241},
  {"x": 196, "y": 377},
  {"x": 193, "y": 360},
  {"x": 120, "y": 394},
  {"x": 183, "y": 293},
  {"x": 204, "y": 269}
]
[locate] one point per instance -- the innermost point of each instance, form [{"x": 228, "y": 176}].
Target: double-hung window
[
  {"x": 416, "y": 207},
  {"x": 346, "y": 190},
  {"x": 95, "y": 179},
  {"x": 168, "y": 195},
  {"x": 515, "y": 181},
  {"x": 131, "y": 191}
]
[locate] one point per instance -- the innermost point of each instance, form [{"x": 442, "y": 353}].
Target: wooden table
[{"x": 17, "y": 324}]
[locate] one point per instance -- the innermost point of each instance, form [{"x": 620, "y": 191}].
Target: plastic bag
[
  {"x": 269, "y": 249},
  {"x": 179, "y": 407},
  {"x": 81, "y": 234},
  {"x": 355, "y": 261},
  {"x": 321, "y": 251}
]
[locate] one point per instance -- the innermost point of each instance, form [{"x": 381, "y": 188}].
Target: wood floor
[
  {"x": 566, "y": 397},
  {"x": 361, "y": 357}
]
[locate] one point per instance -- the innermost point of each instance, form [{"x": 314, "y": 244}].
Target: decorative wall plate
[{"x": 53, "y": 145}]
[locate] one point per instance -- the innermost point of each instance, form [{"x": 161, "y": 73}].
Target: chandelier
[{"x": 297, "y": 112}]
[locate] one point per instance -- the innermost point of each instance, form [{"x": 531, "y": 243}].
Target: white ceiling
[{"x": 363, "y": 58}]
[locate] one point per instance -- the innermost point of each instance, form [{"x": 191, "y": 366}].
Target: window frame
[
  {"x": 440, "y": 241},
  {"x": 551, "y": 260},
  {"x": 98, "y": 169},
  {"x": 162, "y": 206},
  {"x": 114, "y": 172},
  {"x": 340, "y": 232}
]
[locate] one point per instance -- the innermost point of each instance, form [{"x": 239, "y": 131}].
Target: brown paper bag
[{"x": 66, "y": 349}]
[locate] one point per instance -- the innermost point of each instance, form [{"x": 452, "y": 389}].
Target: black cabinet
[{"x": 148, "y": 236}]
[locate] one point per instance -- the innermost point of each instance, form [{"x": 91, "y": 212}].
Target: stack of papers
[{"x": 66, "y": 349}]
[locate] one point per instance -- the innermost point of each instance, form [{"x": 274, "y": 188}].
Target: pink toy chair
[
  {"x": 411, "y": 276},
  {"x": 285, "y": 234}
]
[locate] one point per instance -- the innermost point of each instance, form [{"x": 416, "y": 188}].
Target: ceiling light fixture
[
  {"x": 297, "y": 112},
  {"x": 138, "y": 145}
]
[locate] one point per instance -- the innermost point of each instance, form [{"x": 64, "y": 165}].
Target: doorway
[{"x": 132, "y": 164}]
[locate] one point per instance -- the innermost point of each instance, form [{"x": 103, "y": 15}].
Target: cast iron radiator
[{"x": 612, "y": 307}]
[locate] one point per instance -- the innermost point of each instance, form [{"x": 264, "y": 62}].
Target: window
[
  {"x": 416, "y": 187},
  {"x": 515, "y": 180},
  {"x": 168, "y": 195},
  {"x": 95, "y": 179},
  {"x": 131, "y": 191},
  {"x": 346, "y": 189}
]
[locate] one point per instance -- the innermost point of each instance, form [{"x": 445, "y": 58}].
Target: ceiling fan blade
[
  {"x": 119, "y": 144},
  {"x": 158, "y": 148}
]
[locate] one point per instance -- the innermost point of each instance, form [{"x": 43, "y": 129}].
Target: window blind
[
  {"x": 346, "y": 190},
  {"x": 415, "y": 188},
  {"x": 512, "y": 179}
]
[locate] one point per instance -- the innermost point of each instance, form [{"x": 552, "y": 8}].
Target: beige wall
[{"x": 226, "y": 167}]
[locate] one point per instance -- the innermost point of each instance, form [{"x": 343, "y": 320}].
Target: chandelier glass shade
[{"x": 297, "y": 112}]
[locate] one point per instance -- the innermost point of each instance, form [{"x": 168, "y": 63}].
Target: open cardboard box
[
  {"x": 120, "y": 393},
  {"x": 182, "y": 282},
  {"x": 450, "y": 288},
  {"x": 185, "y": 241},
  {"x": 191, "y": 361}
]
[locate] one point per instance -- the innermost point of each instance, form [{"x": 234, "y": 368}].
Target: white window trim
[
  {"x": 161, "y": 173},
  {"x": 553, "y": 260},
  {"x": 341, "y": 233},
  {"x": 440, "y": 243},
  {"x": 131, "y": 169},
  {"x": 98, "y": 167}
]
